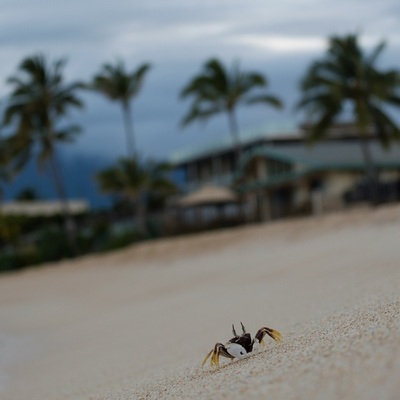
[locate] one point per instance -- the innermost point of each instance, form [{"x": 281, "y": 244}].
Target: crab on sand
[{"x": 240, "y": 346}]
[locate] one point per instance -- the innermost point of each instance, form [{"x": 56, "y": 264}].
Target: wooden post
[{"x": 316, "y": 202}]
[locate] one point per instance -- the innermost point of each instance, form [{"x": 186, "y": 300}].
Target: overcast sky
[{"x": 278, "y": 39}]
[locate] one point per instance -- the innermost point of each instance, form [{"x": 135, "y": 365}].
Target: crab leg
[
  {"x": 221, "y": 350},
  {"x": 215, "y": 358},
  {"x": 207, "y": 357}
]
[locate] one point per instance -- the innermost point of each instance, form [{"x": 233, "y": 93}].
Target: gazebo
[
  {"x": 209, "y": 206},
  {"x": 208, "y": 195}
]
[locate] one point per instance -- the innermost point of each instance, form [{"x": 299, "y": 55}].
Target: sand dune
[
  {"x": 137, "y": 323},
  {"x": 349, "y": 355}
]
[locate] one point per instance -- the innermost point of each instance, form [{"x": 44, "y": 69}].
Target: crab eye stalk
[
  {"x": 233, "y": 331},
  {"x": 243, "y": 328}
]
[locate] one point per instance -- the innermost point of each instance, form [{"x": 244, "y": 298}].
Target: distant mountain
[{"x": 78, "y": 171}]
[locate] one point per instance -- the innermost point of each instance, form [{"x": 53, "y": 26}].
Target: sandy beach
[{"x": 136, "y": 324}]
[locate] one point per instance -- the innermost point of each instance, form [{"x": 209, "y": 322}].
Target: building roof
[
  {"x": 224, "y": 143},
  {"x": 208, "y": 195},
  {"x": 328, "y": 155},
  {"x": 42, "y": 208},
  {"x": 283, "y": 132},
  {"x": 325, "y": 156}
]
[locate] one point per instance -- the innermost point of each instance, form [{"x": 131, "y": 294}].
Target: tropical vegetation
[
  {"x": 38, "y": 104},
  {"x": 349, "y": 79},
  {"x": 137, "y": 182},
  {"x": 117, "y": 84},
  {"x": 218, "y": 89}
]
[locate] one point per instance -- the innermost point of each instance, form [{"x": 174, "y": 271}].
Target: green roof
[
  {"x": 224, "y": 143},
  {"x": 332, "y": 154},
  {"x": 325, "y": 156}
]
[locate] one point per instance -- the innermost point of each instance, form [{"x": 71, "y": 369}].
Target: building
[
  {"x": 279, "y": 174},
  {"x": 215, "y": 162},
  {"x": 43, "y": 208},
  {"x": 295, "y": 178}
]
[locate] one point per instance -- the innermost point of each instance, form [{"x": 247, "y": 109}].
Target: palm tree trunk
[
  {"x": 234, "y": 130},
  {"x": 141, "y": 214},
  {"x": 130, "y": 138},
  {"x": 132, "y": 154},
  {"x": 69, "y": 225},
  {"x": 370, "y": 171}
]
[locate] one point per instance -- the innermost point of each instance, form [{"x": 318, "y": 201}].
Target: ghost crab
[{"x": 240, "y": 346}]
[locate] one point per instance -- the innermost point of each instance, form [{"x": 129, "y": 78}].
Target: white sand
[{"x": 136, "y": 324}]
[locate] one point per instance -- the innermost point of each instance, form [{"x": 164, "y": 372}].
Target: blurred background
[{"x": 129, "y": 122}]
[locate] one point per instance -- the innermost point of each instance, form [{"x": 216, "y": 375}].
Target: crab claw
[{"x": 274, "y": 334}]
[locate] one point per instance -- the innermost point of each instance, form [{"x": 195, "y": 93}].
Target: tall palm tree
[
  {"x": 4, "y": 174},
  {"x": 132, "y": 180},
  {"x": 220, "y": 90},
  {"x": 346, "y": 75},
  {"x": 119, "y": 85},
  {"x": 38, "y": 104}
]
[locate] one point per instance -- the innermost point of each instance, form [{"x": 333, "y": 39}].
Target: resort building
[
  {"x": 43, "y": 208},
  {"x": 279, "y": 174}
]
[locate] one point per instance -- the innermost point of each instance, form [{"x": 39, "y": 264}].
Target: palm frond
[
  {"x": 386, "y": 127},
  {"x": 372, "y": 58},
  {"x": 38, "y": 103},
  {"x": 137, "y": 78},
  {"x": 67, "y": 134},
  {"x": 201, "y": 115},
  {"x": 217, "y": 89},
  {"x": 130, "y": 177},
  {"x": 116, "y": 83},
  {"x": 266, "y": 99},
  {"x": 347, "y": 75},
  {"x": 318, "y": 128}
]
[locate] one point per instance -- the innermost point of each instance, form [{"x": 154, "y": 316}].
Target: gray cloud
[{"x": 177, "y": 37}]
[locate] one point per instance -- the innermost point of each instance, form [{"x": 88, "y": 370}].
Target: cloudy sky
[{"x": 278, "y": 39}]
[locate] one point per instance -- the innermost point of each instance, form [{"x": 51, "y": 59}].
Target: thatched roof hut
[
  {"x": 42, "y": 208},
  {"x": 208, "y": 195}
]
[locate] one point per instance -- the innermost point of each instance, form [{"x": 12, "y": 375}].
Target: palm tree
[
  {"x": 38, "y": 104},
  {"x": 28, "y": 193},
  {"x": 4, "y": 163},
  {"x": 133, "y": 180},
  {"x": 119, "y": 85},
  {"x": 345, "y": 76},
  {"x": 4, "y": 174},
  {"x": 219, "y": 90}
]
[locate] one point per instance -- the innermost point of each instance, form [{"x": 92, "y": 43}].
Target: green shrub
[
  {"x": 53, "y": 245},
  {"x": 116, "y": 241}
]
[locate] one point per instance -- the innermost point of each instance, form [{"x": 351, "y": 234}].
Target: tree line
[{"x": 346, "y": 77}]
